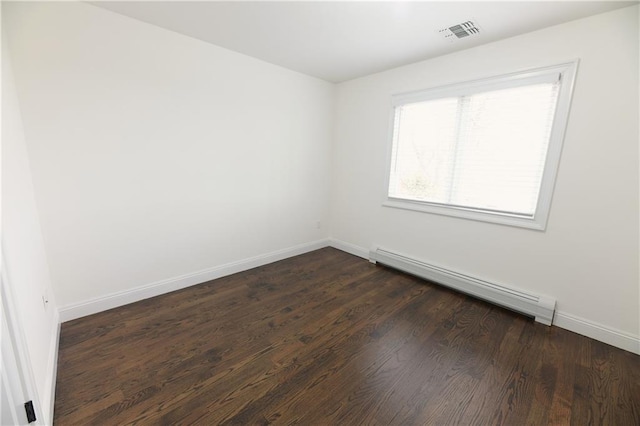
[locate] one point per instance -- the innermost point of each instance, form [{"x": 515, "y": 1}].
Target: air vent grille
[{"x": 461, "y": 30}]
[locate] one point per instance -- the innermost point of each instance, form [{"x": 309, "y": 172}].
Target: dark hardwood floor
[{"x": 329, "y": 339}]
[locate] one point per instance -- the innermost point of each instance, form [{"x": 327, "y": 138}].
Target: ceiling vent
[{"x": 462, "y": 30}]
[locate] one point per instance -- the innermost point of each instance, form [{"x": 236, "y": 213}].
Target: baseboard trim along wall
[
  {"x": 349, "y": 248},
  {"x": 114, "y": 300},
  {"x": 561, "y": 319},
  {"x": 538, "y": 306},
  {"x": 599, "y": 332}
]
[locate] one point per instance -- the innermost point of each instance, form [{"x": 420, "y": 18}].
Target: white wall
[
  {"x": 588, "y": 257},
  {"x": 157, "y": 155},
  {"x": 23, "y": 251}
]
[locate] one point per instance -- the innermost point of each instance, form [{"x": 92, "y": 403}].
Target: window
[{"x": 485, "y": 150}]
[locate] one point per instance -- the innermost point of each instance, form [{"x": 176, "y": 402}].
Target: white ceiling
[{"x": 338, "y": 41}]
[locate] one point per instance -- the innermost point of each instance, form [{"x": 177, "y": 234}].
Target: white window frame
[{"x": 538, "y": 221}]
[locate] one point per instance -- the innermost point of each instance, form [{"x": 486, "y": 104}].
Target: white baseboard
[
  {"x": 578, "y": 325},
  {"x": 538, "y": 306},
  {"x": 114, "y": 300},
  {"x": 48, "y": 399},
  {"x": 617, "y": 338},
  {"x": 349, "y": 248}
]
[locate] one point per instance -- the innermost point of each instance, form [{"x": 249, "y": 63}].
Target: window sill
[{"x": 538, "y": 224}]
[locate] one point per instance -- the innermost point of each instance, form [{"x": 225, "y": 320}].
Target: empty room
[{"x": 320, "y": 213}]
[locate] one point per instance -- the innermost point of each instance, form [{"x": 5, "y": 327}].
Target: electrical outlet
[{"x": 318, "y": 225}]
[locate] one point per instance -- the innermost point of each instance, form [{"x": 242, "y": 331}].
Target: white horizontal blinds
[
  {"x": 483, "y": 151},
  {"x": 425, "y": 134}
]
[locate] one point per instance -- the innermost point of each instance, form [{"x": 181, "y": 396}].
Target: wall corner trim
[
  {"x": 114, "y": 300},
  {"x": 48, "y": 400}
]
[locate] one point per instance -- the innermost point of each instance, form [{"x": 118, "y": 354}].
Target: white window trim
[{"x": 566, "y": 72}]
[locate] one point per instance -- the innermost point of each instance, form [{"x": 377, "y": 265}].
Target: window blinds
[{"x": 476, "y": 149}]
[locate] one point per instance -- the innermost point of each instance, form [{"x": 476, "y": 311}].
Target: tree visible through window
[{"x": 482, "y": 146}]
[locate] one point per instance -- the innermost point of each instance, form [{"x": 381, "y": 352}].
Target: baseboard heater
[{"x": 539, "y": 307}]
